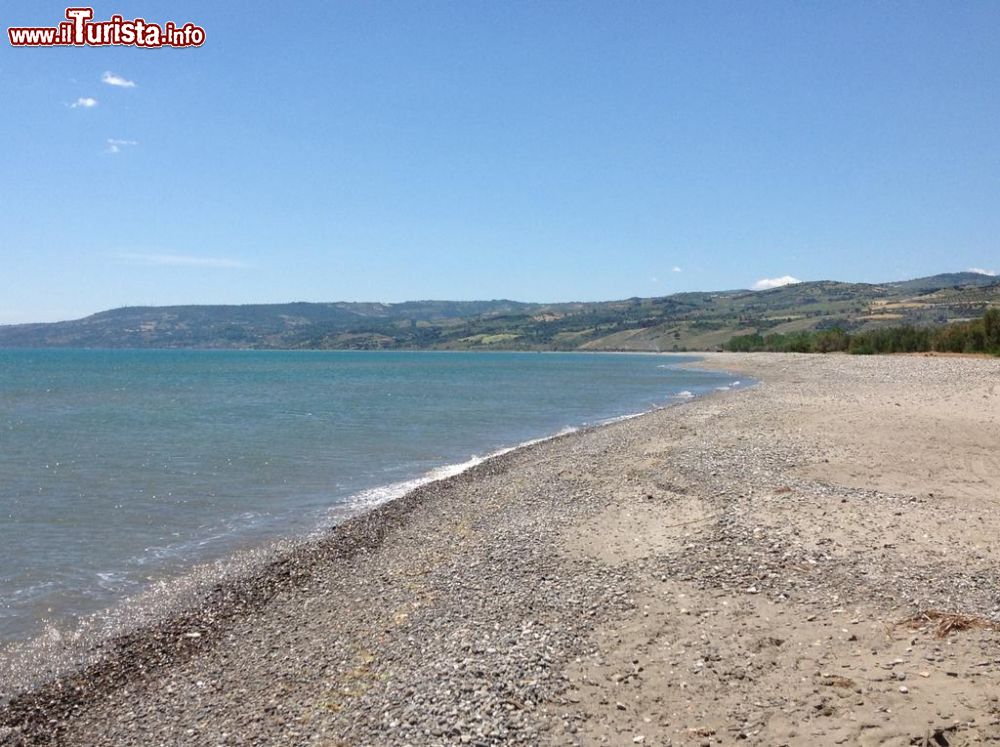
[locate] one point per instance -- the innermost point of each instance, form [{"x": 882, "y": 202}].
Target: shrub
[{"x": 978, "y": 336}]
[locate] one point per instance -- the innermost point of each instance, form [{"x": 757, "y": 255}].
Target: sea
[{"x": 121, "y": 468}]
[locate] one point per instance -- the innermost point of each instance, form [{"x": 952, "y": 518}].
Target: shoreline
[
  {"x": 247, "y": 567},
  {"x": 170, "y": 640},
  {"x": 387, "y": 474},
  {"x": 99, "y": 640},
  {"x": 569, "y": 592}
]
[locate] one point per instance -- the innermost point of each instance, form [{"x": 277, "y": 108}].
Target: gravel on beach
[{"x": 812, "y": 560}]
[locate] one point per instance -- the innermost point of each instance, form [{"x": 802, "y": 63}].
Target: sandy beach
[{"x": 810, "y": 561}]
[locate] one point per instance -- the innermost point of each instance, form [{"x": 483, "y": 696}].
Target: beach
[{"x": 811, "y": 560}]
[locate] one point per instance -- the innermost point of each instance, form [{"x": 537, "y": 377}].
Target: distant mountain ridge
[{"x": 681, "y": 321}]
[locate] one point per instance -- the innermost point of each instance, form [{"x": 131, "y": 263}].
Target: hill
[{"x": 682, "y": 321}]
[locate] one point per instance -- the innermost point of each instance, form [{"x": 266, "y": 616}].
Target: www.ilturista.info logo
[{"x": 80, "y": 30}]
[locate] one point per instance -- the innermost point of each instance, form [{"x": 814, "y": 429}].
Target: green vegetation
[
  {"x": 792, "y": 315},
  {"x": 978, "y": 336}
]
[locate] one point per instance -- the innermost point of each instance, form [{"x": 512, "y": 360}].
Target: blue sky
[{"x": 541, "y": 151}]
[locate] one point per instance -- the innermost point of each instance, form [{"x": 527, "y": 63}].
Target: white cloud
[
  {"x": 84, "y": 102},
  {"x": 112, "y": 79},
  {"x": 767, "y": 283},
  {"x": 182, "y": 260},
  {"x": 676, "y": 268},
  {"x": 115, "y": 145},
  {"x": 981, "y": 271}
]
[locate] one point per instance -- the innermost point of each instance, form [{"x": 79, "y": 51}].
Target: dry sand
[
  {"x": 767, "y": 566},
  {"x": 870, "y": 489}
]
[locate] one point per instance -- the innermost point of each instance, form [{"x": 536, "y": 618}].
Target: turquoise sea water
[{"x": 119, "y": 467}]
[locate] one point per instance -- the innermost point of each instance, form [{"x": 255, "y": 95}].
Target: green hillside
[{"x": 683, "y": 321}]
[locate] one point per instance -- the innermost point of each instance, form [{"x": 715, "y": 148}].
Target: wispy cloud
[
  {"x": 981, "y": 271},
  {"x": 676, "y": 268},
  {"x": 115, "y": 145},
  {"x": 84, "y": 102},
  {"x": 113, "y": 79},
  {"x": 183, "y": 260},
  {"x": 768, "y": 283}
]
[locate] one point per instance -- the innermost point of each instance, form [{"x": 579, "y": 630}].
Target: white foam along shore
[{"x": 371, "y": 497}]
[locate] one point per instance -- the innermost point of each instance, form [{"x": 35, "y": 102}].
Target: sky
[{"x": 538, "y": 151}]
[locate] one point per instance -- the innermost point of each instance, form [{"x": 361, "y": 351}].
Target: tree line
[{"x": 977, "y": 336}]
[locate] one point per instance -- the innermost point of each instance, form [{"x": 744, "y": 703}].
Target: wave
[{"x": 370, "y": 498}]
